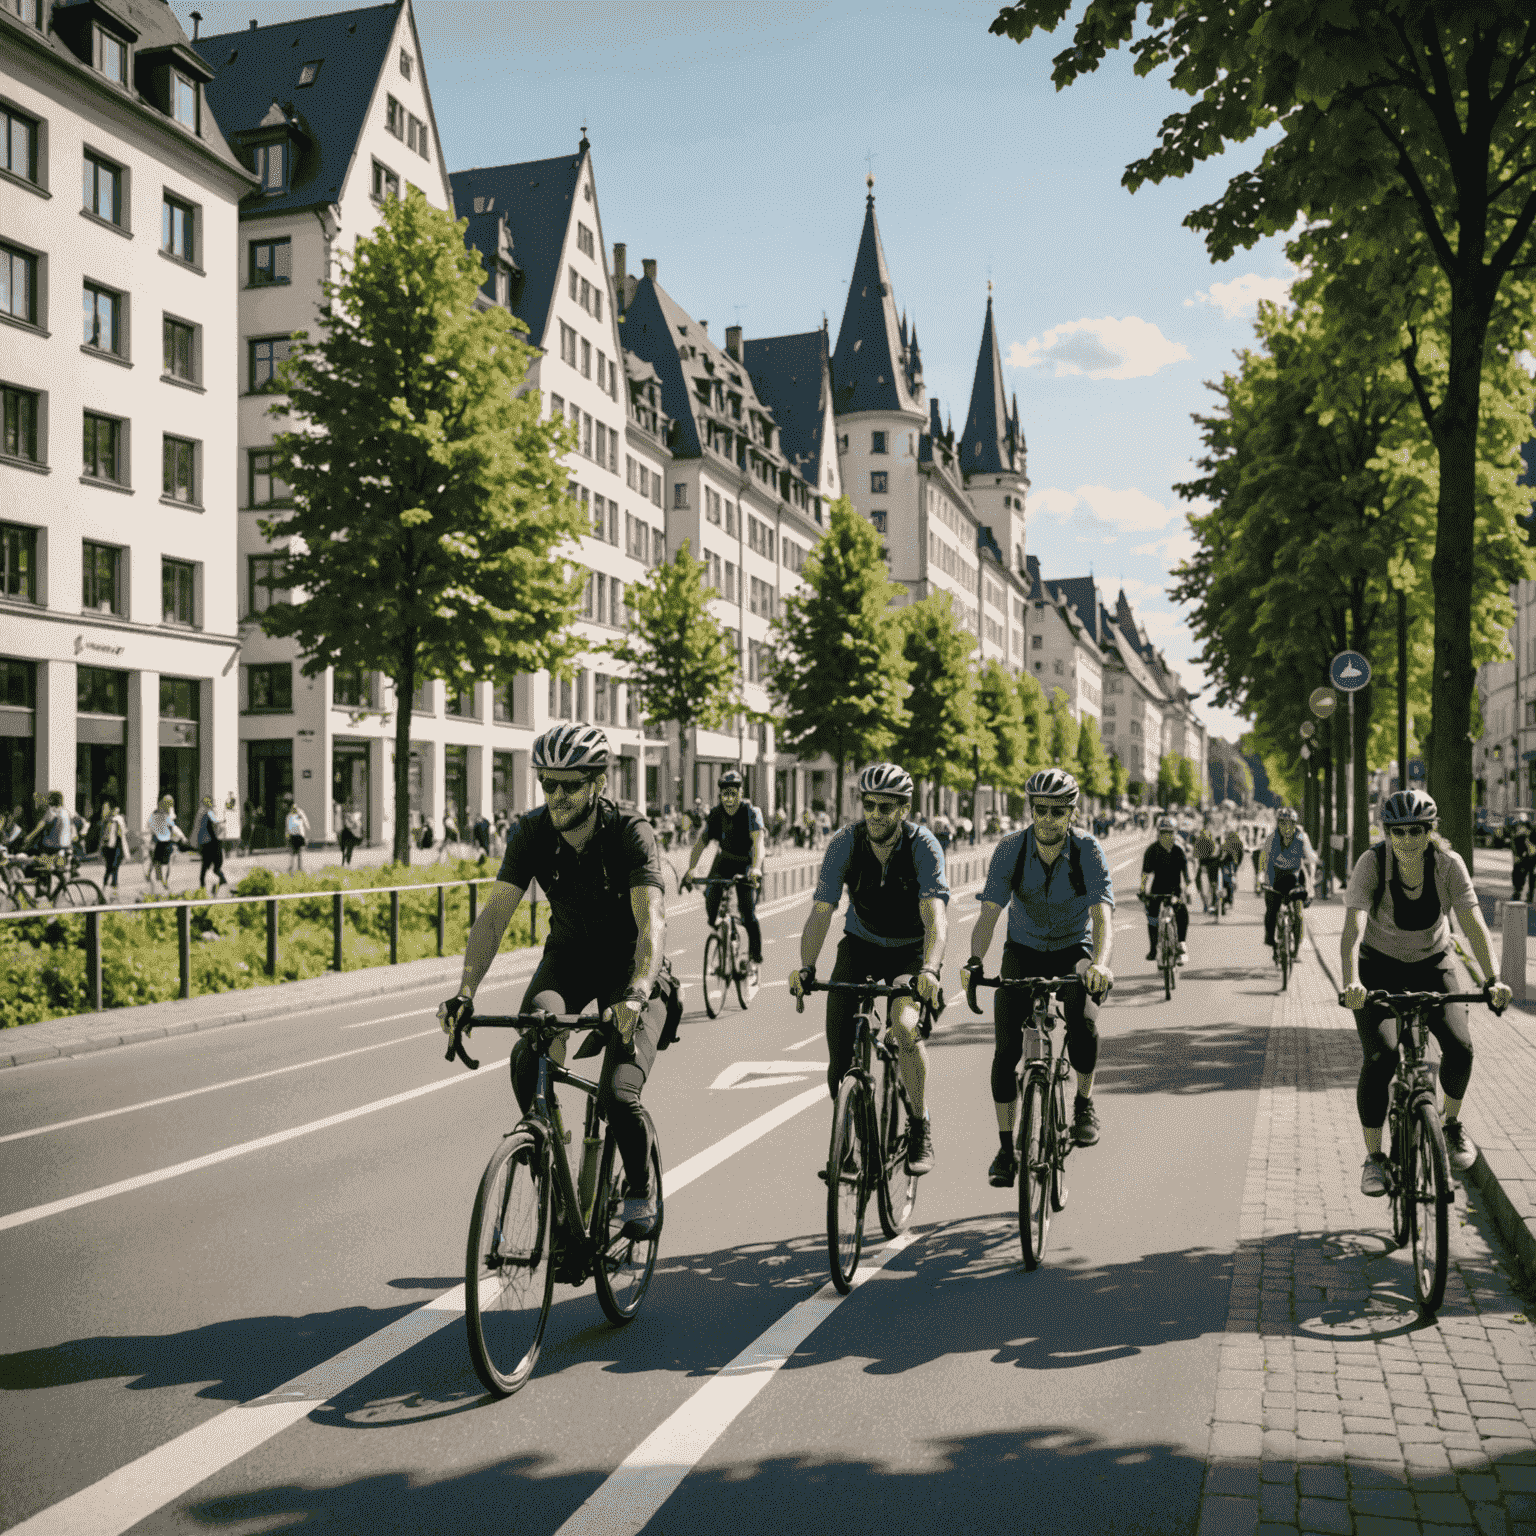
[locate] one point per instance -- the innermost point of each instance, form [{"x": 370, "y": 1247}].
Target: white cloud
[
  {"x": 1107, "y": 348},
  {"x": 1179, "y": 545},
  {"x": 1051, "y": 502},
  {"x": 1100, "y": 506},
  {"x": 1243, "y": 293}
]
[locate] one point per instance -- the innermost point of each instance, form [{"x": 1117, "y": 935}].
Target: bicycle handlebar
[
  {"x": 1051, "y": 986},
  {"x": 866, "y": 989},
  {"x": 467, "y": 1023},
  {"x": 1406, "y": 1001}
]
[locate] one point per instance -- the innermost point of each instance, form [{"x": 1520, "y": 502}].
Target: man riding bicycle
[
  {"x": 1165, "y": 866},
  {"x": 737, "y": 830},
  {"x": 894, "y": 932},
  {"x": 1288, "y": 864},
  {"x": 1207, "y": 852},
  {"x": 1397, "y": 939},
  {"x": 601, "y": 872},
  {"x": 1231, "y": 861},
  {"x": 1055, "y": 884}
]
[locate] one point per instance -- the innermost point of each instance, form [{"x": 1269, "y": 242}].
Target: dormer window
[
  {"x": 405, "y": 64},
  {"x": 110, "y": 55},
  {"x": 184, "y": 102},
  {"x": 309, "y": 72},
  {"x": 272, "y": 167}
]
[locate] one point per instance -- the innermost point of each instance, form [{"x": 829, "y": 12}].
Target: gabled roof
[
  {"x": 259, "y": 68},
  {"x": 789, "y": 374},
  {"x": 993, "y": 443},
  {"x": 870, "y": 368},
  {"x": 1083, "y": 595},
  {"x": 537, "y": 197}
]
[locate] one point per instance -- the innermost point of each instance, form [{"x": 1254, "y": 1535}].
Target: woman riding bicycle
[
  {"x": 1288, "y": 862},
  {"x": 1397, "y": 938}
]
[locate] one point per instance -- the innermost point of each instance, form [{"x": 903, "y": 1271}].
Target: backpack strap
[
  {"x": 1075, "y": 877},
  {"x": 1379, "y": 854}
]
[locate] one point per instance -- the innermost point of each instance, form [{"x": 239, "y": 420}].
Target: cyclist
[
  {"x": 736, "y": 828},
  {"x": 894, "y": 932},
  {"x": 1288, "y": 863},
  {"x": 1522, "y": 864},
  {"x": 1231, "y": 861},
  {"x": 1165, "y": 866},
  {"x": 1207, "y": 852},
  {"x": 601, "y": 871},
  {"x": 1057, "y": 924},
  {"x": 1397, "y": 939}
]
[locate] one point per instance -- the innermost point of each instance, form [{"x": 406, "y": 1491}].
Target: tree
[
  {"x": 1062, "y": 731},
  {"x": 1092, "y": 769},
  {"x": 839, "y": 675},
  {"x": 1036, "y": 722},
  {"x": 940, "y": 732},
  {"x": 1002, "y": 729},
  {"x": 1191, "y": 790},
  {"x": 1407, "y": 127},
  {"x": 682, "y": 666},
  {"x": 429, "y": 515},
  {"x": 1119, "y": 779}
]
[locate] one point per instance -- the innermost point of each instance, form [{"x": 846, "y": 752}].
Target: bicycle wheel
[
  {"x": 847, "y": 1183},
  {"x": 744, "y": 971},
  {"x": 715, "y": 977},
  {"x": 1430, "y": 1218},
  {"x": 1060, "y": 1134},
  {"x": 624, "y": 1264},
  {"x": 1167, "y": 960},
  {"x": 897, "y": 1189},
  {"x": 1400, "y": 1177},
  {"x": 1035, "y": 1157},
  {"x": 1283, "y": 954},
  {"x": 508, "y": 1277},
  {"x": 80, "y": 893}
]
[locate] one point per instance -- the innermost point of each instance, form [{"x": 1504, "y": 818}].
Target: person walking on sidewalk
[
  {"x": 114, "y": 845},
  {"x": 349, "y": 834},
  {"x": 208, "y": 834},
  {"x": 1522, "y": 854},
  {"x": 164, "y": 834},
  {"x": 1397, "y": 939},
  {"x": 296, "y": 825}
]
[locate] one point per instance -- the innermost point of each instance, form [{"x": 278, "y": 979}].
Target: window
[
  {"x": 1037, "y": 642},
  {"x": 266, "y": 489},
  {"x": 101, "y": 691},
  {"x": 416, "y": 137},
  {"x": 712, "y": 505},
  {"x": 877, "y": 521},
  {"x": 879, "y": 482},
  {"x": 102, "y": 313},
  {"x": 179, "y": 346},
  {"x": 18, "y": 684},
  {"x": 269, "y": 688},
  {"x": 680, "y": 495},
  {"x": 178, "y": 229},
  {"x": 585, "y": 242},
  {"x": 385, "y": 182},
  {"x": 272, "y": 167},
  {"x": 102, "y": 449},
  {"x": 18, "y": 562},
  {"x": 110, "y": 56},
  {"x": 30, "y": 11},
  {"x": 101, "y": 588},
  {"x": 177, "y": 581},
  {"x": 184, "y": 101},
  {"x": 561, "y": 701},
  {"x": 730, "y": 519},
  {"x": 567, "y": 344},
  {"x": 310, "y": 72},
  {"x": 268, "y": 354},
  {"x": 405, "y": 64},
  {"x": 877, "y": 442},
  {"x": 271, "y": 262},
  {"x": 18, "y": 285},
  {"x": 180, "y": 698},
  {"x": 1060, "y": 668},
  {"x": 179, "y": 480},
  {"x": 394, "y": 117},
  {"x": 352, "y": 686},
  {"x": 18, "y": 144},
  {"x": 20, "y": 415},
  {"x": 101, "y": 189},
  {"x": 586, "y": 435},
  {"x": 655, "y": 487},
  {"x": 460, "y": 702},
  {"x": 264, "y": 573},
  {"x": 586, "y": 358}
]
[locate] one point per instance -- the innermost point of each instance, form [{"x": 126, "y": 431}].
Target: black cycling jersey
[
  {"x": 734, "y": 833},
  {"x": 1169, "y": 868}
]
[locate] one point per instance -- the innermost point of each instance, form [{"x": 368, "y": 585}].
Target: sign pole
[{"x": 1350, "y": 825}]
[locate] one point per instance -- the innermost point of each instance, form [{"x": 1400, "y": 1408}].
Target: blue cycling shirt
[
  {"x": 884, "y": 906},
  {"x": 1044, "y": 912}
]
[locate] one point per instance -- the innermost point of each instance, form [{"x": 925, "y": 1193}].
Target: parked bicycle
[
  {"x": 1288, "y": 934},
  {"x": 868, "y": 1150},
  {"x": 1167, "y": 940},
  {"x": 533, "y": 1225},
  {"x": 727, "y": 959},
  {"x": 1043, "y": 1135},
  {"x": 55, "y": 881},
  {"x": 1418, "y": 1170}
]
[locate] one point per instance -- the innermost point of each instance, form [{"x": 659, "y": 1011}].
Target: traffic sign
[
  {"x": 1322, "y": 702},
  {"x": 1415, "y": 767},
  {"x": 1349, "y": 671}
]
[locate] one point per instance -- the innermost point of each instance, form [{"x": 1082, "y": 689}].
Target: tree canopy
[{"x": 936, "y": 742}]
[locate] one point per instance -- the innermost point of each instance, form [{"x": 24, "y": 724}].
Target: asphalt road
[{"x": 142, "y": 1324}]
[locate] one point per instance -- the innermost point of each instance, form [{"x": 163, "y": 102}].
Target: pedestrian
[
  {"x": 208, "y": 835},
  {"x": 1522, "y": 864},
  {"x": 447, "y": 849},
  {"x": 296, "y": 825},
  {"x": 114, "y": 845},
  {"x": 483, "y": 835},
  {"x": 247, "y": 822},
  {"x": 943, "y": 831},
  {"x": 424, "y": 837},
  {"x": 347, "y": 837},
  {"x": 14, "y": 827},
  {"x": 164, "y": 834}
]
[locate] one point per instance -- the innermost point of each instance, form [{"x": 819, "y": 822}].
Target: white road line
[
  {"x": 193, "y": 1165},
  {"x": 234, "y": 1082},
  {"x": 485, "y": 986},
  {"x": 820, "y": 1034},
  {"x": 133, "y": 1492},
  {"x": 651, "y": 1473}
]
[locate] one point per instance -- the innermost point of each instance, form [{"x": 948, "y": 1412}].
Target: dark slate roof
[
  {"x": 992, "y": 443},
  {"x": 870, "y": 365},
  {"x": 787, "y": 372},
  {"x": 260, "y": 66},
  {"x": 1034, "y": 588},
  {"x": 157, "y": 32},
  {"x": 1081, "y": 592},
  {"x": 537, "y": 197}
]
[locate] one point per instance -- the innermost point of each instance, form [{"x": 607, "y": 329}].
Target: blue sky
[{"x": 730, "y": 144}]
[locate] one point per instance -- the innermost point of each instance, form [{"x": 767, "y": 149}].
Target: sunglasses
[
  {"x": 553, "y": 787},
  {"x": 1409, "y": 831},
  {"x": 1052, "y": 811},
  {"x": 883, "y": 807}
]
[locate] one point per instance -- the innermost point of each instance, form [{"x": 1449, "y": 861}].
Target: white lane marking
[
  {"x": 764, "y": 1074},
  {"x": 820, "y": 1034},
  {"x": 651, "y": 1473},
  {"x": 234, "y": 1082},
  {"x": 125, "y": 1497},
  {"x": 192, "y": 1165}
]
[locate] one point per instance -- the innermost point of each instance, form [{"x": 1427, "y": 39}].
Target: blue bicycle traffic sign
[{"x": 1349, "y": 671}]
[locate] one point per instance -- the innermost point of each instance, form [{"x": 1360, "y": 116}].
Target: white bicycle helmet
[
  {"x": 1286, "y": 813},
  {"x": 730, "y": 779},
  {"x": 1409, "y": 807},
  {"x": 1052, "y": 784},
  {"x": 886, "y": 779},
  {"x": 570, "y": 747},
  {"x": 1166, "y": 824}
]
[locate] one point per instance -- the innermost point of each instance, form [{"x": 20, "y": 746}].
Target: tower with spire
[{"x": 992, "y": 453}]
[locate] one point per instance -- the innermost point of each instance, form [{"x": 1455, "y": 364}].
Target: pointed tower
[{"x": 992, "y": 455}]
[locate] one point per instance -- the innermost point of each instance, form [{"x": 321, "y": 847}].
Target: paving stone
[
  {"x": 1396, "y": 1502},
  {"x": 1327, "y": 1482},
  {"x": 1328, "y": 1515},
  {"x": 1278, "y": 1472},
  {"x": 1238, "y": 1479},
  {"x": 1516, "y": 1477},
  {"x": 1222, "y": 1516},
  {"x": 1279, "y": 1445},
  {"x": 1479, "y": 1486},
  {"x": 1444, "y": 1508},
  {"x": 1373, "y": 1447},
  {"x": 1277, "y": 1501},
  {"x": 1377, "y": 1525}
]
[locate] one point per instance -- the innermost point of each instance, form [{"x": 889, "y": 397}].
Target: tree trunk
[
  {"x": 405, "y": 693},
  {"x": 1327, "y": 815},
  {"x": 837, "y": 809},
  {"x": 684, "y": 800},
  {"x": 1362, "y": 829},
  {"x": 1340, "y": 825}
]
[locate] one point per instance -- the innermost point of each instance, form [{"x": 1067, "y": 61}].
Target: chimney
[
  {"x": 648, "y": 266},
  {"x": 253, "y": 24},
  {"x": 618, "y": 265},
  {"x": 733, "y": 341},
  {"x": 197, "y": 23}
]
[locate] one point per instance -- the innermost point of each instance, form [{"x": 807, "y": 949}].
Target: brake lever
[{"x": 456, "y": 1048}]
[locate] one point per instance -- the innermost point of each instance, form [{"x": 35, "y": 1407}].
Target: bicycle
[
  {"x": 859, "y": 1125},
  {"x": 1167, "y": 940},
  {"x": 56, "y": 881},
  {"x": 726, "y": 960},
  {"x": 1288, "y": 934},
  {"x": 533, "y": 1225},
  {"x": 1044, "y": 1137},
  {"x": 1418, "y": 1170}
]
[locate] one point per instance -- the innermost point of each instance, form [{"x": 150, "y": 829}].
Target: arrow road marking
[{"x": 766, "y": 1074}]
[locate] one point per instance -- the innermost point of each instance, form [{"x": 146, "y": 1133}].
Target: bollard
[
  {"x": 93, "y": 958},
  {"x": 336, "y": 932},
  {"x": 271, "y": 938},
  {"x": 442, "y": 919},
  {"x": 184, "y": 947},
  {"x": 1512, "y": 958},
  {"x": 394, "y": 927}
]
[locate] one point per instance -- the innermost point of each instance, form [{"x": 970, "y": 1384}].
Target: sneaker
[
  {"x": 1459, "y": 1147},
  {"x": 1183, "y": 955},
  {"x": 1085, "y": 1122},
  {"x": 1373, "y": 1176},
  {"x": 920, "y": 1147},
  {"x": 1004, "y": 1170},
  {"x": 639, "y": 1214}
]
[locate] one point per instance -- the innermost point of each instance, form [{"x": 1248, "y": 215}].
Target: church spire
[{"x": 991, "y": 444}]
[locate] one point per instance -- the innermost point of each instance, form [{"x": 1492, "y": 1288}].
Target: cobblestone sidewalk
[{"x": 1336, "y": 1409}]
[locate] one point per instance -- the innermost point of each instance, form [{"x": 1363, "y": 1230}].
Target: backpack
[
  {"x": 1379, "y": 855},
  {"x": 1075, "y": 876},
  {"x": 610, "y": 844}
]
